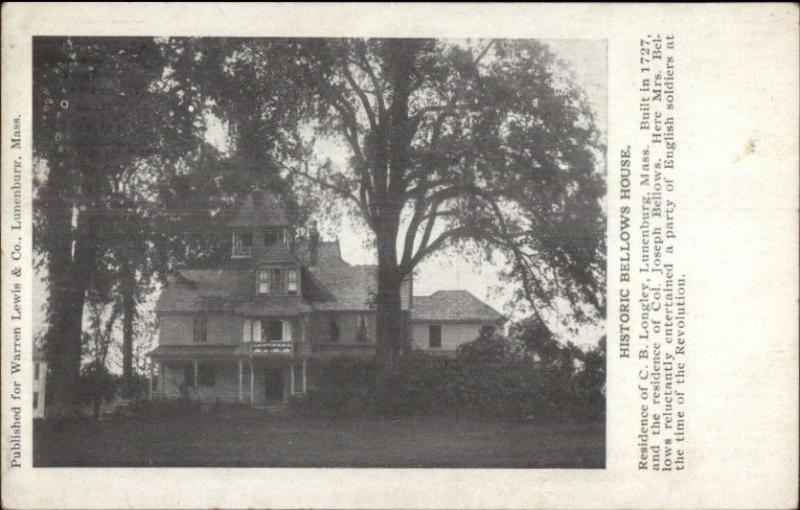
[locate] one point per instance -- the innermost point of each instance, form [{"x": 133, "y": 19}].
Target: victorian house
[{"x": 279, "y": 317}]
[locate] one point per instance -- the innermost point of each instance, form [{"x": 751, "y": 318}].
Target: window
[
  {"x": 487, "y": 331},
  {"x": 242, "y": 244},
  {"x": 247, "y": 331},
  {"x": 334, "y": 331},
  {"x": 188, "y": 375},
  {"x": 200, "y": 328},
  {"x": 36, "y": 397},
  {"x": 272, "y": 237},
  {"x": 205, "y": 375},
  {"x": 361, "y": 329},
  {"x": 35, "y": 371},
  {"x": 293, "y": 277},
  {"x": 278, "y": 286},
  {"x": 272, "y": 331},
  {"x": 263, "y": 282},
  {"x": 434, "y": 337}
]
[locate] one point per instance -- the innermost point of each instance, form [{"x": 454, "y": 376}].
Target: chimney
[{"x": 313, "y": 245}]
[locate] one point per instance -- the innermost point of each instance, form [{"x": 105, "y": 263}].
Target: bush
[
  {"x": 488, "y": 378},
  {"x": 491, "y": 349},
  {"x": 96, "y": 386}
]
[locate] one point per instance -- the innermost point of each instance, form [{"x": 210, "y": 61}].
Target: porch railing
[
  {"x": 272, "y": 347},
  {"x": 279, "y": 348}
]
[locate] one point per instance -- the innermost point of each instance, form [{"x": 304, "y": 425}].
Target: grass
[{"x": 259, "y": 439}]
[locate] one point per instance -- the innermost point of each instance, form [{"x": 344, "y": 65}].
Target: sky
[{"x": 447, "y": 271}]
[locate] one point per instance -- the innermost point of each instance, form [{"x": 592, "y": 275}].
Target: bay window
[{"x": 293, "y": 282}]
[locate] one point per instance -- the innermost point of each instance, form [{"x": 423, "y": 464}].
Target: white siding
[
  {"x": 453, "y": 334},
  {"x": 39, "y": 387}
]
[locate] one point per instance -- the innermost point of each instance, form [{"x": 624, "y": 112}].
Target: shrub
[
  {"x": 95, "y": 386},
  {"x": 491, "y": 349},
  {"x": 489, "y": 377}
]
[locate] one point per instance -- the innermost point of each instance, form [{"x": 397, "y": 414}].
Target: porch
[{"x": 255, "y": 381}]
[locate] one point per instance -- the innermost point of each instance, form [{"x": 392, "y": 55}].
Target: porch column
[
  {"x": 304, "y": 376},
  {"x": 195, "y": 373},
  {"x": 161, "y": 378},
  {"x": 152, "y": 373},
  {"x": 291, "y": 379},
  {"x": 240, "y": 380},
  {"x": 252, "y": 399}
]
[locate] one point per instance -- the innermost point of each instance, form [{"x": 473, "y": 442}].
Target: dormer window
[
  {"x": 242, "y": 245},
  {"x": 278, "y": 282}
]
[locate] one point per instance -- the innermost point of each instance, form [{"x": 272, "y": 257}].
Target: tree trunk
[
  {"x": 96, "y": 406},
  {"x": 129, "y": 313},
  {"x": 389, "y": 308},
  {"x": 64, "y": 350},
  {"x": 69, "y": 272},
  {"x": 389, "y": 325}
]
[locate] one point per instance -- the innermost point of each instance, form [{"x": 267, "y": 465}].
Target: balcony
[{"x": 279, "y": 348}]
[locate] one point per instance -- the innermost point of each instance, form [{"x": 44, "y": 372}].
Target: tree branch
[
  {"x": 360, "y": 93},
  {"x": 435, "y": 245},
  {"x": 483, "y": 53},
  {"x": 366, "y": 67}
]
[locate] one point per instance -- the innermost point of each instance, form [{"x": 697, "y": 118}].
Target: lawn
[{"x": 260, "y": 439}]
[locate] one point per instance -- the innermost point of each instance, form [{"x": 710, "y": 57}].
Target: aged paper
[{"x": 694, "y": 114}]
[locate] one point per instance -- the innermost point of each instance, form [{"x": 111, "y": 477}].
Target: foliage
[
  {"x": 488, "y": 144},
  {"x": 96, "y": 385},
  {"x": 127, "y": 184},
  {"x": 100, "y": 128},
  {"x": 504, "y": 383},
  {"x": 536, "y": 338},
  {"x": 488, "y": 349},
  {"x": 449, "y": 142},
  {"x": 592, "y": 377}
]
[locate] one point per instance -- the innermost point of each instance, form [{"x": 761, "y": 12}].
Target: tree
[
  {"x": 95, "y": 386},
  {"x": 482, "y": 142},
  {"x": 537, "y": 338},
  {"x": 97, "y": 114},
  {"x": 592, "y": 376}
]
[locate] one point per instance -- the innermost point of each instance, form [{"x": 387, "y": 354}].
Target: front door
[{"x": 273, "y": 380}]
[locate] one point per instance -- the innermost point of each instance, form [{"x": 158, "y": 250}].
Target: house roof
[
  {"x": 272, "y": 307},
  {"x": 353, "y": 287},
  {"x": 230, "y": 290},
  {"x": 330, "y": 251},
  {"x": 334, "y": 285},
  {"x": 189, "y": 290},
  {"x": 278, "y": 253},
  {"x": 453, "y": 305},
  {"x": 260, "y": 209}
]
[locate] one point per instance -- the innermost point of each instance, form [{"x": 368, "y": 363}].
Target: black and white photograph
[{"x": 319, "y": 252}]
